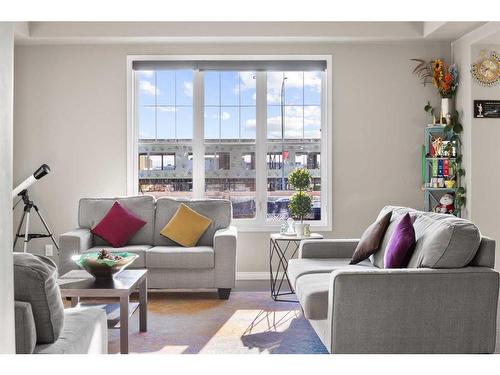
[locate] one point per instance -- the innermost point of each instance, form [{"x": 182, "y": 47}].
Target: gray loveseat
[
  {"x": 444, "y": 302},
  {"x": 209, "y": 265}
]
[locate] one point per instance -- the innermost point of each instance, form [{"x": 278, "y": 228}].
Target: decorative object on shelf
[
  {"x": 450, "y": 184},
  {"x": 307, "y": 230},
  {"x": 445, "y": 79},
  {"x": 103, "y": 264},
  {"x": 486, "y": 108},
  {"x": 437, "y": 146},
  {"x": 446, "y": 204},
  {"x": 486, "y": 71},
  {"x": 300, "y": 202}
]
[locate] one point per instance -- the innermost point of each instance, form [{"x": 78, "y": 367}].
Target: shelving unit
[{"x": 433, "y": 193}]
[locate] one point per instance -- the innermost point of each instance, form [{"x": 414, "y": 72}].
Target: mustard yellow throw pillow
[{"x": 186, "y": 226}]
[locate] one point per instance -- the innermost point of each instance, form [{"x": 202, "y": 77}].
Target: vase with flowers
[
  {"x": 442, "y": 76},
  {"x": 445, "y": 78}
]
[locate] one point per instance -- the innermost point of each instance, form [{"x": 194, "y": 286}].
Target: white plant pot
[{"x": 299, "y": 229}]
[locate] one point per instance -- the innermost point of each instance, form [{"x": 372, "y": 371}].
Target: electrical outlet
[{"x": 49, "y": 250}]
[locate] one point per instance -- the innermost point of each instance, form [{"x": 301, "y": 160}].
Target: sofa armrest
[
  {"x": 25, "y": 328},
  {"x": 413, "y": 310},
  {"x": 225, "y": 257},
  {"x": 327, "y": 248},
  {"x": 72, "y": 243}
]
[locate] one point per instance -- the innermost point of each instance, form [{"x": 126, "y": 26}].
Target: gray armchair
[{"x": 42, "y": 325}]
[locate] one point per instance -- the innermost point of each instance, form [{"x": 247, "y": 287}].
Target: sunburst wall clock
[{"x": 486, "y": 71}]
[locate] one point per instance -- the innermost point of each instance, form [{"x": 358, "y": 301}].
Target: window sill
[{"x": 272, "y": 228}]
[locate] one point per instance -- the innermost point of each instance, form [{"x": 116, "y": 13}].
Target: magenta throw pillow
[
  {"x": 401, "y": 244},
  {"x": 118, "y": 226}
]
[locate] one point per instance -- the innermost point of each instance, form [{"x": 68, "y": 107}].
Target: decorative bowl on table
[{"x": 104, "y": 264}]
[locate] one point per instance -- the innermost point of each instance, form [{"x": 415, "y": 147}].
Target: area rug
[{"x": 247, "y": 323}]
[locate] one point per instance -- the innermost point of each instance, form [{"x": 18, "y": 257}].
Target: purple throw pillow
[
  {"x": 118, "y": 226},
  {"x": 401, "y": 244}
]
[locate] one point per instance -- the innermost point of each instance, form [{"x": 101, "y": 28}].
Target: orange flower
[{"x": 447, "y": 78}]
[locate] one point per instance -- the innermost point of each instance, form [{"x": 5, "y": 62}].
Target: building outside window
[{"x": 225, "y": 115}]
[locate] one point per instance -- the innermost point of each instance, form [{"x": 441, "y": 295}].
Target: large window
[
  {"x": 165, "y": 131},
  {"x": 232, "y": 130}
]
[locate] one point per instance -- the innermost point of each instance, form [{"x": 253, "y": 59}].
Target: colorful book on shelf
[
  {"x": 440, "y": 168},
  {"x": 433, "y": 168},
  {"x": 446, "y": 168}
]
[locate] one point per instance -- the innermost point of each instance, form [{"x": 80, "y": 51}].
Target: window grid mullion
[
  {"x": 198, "y": 136},
  {"x": 261, "y": 148}
]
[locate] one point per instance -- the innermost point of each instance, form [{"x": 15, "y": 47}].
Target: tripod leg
[
  {"x": 26, "y": 233},
  {"x": 46, "y": 227},
  {"x": 19, "y": 229}
]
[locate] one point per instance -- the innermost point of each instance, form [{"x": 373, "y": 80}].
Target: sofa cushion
[
  {"x": 85, "y": 332},
  {"x": 401, "y": 244},
  {"x": 444, "y": 241},
  {"x": 35, "y": 282},
  {"x": 371, "y": 238},
  {"x": 397, "y": 213},
  {"x": 118, "y": 225},
  {"x": 178, "y": 257},
  {"x": 92, "y": 210},
  {"x": 186, "y": 227},
  {"x": 299, "y": 267},
  {"x": 25, "y": 328},
  {"x": 136, "y": 249},
  {"x": 217, "y": 210},
  {"x": 312, "y": 293}
]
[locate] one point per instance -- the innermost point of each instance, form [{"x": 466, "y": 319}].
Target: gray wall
[
  {"x": 7, "y": 343},
  {"x": 70, "y": 112}
]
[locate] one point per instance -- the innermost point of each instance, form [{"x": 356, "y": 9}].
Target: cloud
[
  {"x": 225, "y": 116},
  {"x": 146, "y": 73},
  {"x": 148, "y": 88},
  {"x": 298, "y": 120},
  {"x": 168, "y": 109},
  {"x": 310, "y": 80},
  {"x": 247, "y": 80},
  {"x": 188, "y": 88}
]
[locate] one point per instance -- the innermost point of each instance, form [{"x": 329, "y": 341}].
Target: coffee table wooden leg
[
  {"x": 74, "y": 301},
  {"x": 143, "y": 306},
  {"x": 124, "y": 304}
]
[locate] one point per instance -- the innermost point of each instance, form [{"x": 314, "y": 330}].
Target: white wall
[
  {"x": 70, "y": 112},
  {"x": 7, "y": 341},
  {"x": 485, "y": 198},
  {"x": 481, "y": 158}
]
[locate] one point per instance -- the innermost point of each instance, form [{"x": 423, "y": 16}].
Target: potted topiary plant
[{"x": 300, "y": 202}]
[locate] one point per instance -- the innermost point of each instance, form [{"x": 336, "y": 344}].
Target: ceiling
[{"x": 150, "y": 32}]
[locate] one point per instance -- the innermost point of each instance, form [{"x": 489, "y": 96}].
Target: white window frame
[{"x": 259, "y": 223}]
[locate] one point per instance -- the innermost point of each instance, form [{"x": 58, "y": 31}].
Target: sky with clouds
[{"x": 166, "y": 97}]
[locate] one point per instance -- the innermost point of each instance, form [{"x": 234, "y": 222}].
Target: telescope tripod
[{"x": 28, "y": 206}]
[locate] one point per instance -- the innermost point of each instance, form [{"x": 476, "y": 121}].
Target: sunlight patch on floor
[{"x": 253, "y": 331}]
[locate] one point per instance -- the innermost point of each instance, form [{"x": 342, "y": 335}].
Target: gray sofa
[
  {"x": 444, "y": 302},
  {"x": 209, "y": 265},
  {"x": 42, "y": 325}
]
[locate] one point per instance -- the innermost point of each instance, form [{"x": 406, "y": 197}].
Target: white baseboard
[{"x": 254, "y": 275}]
